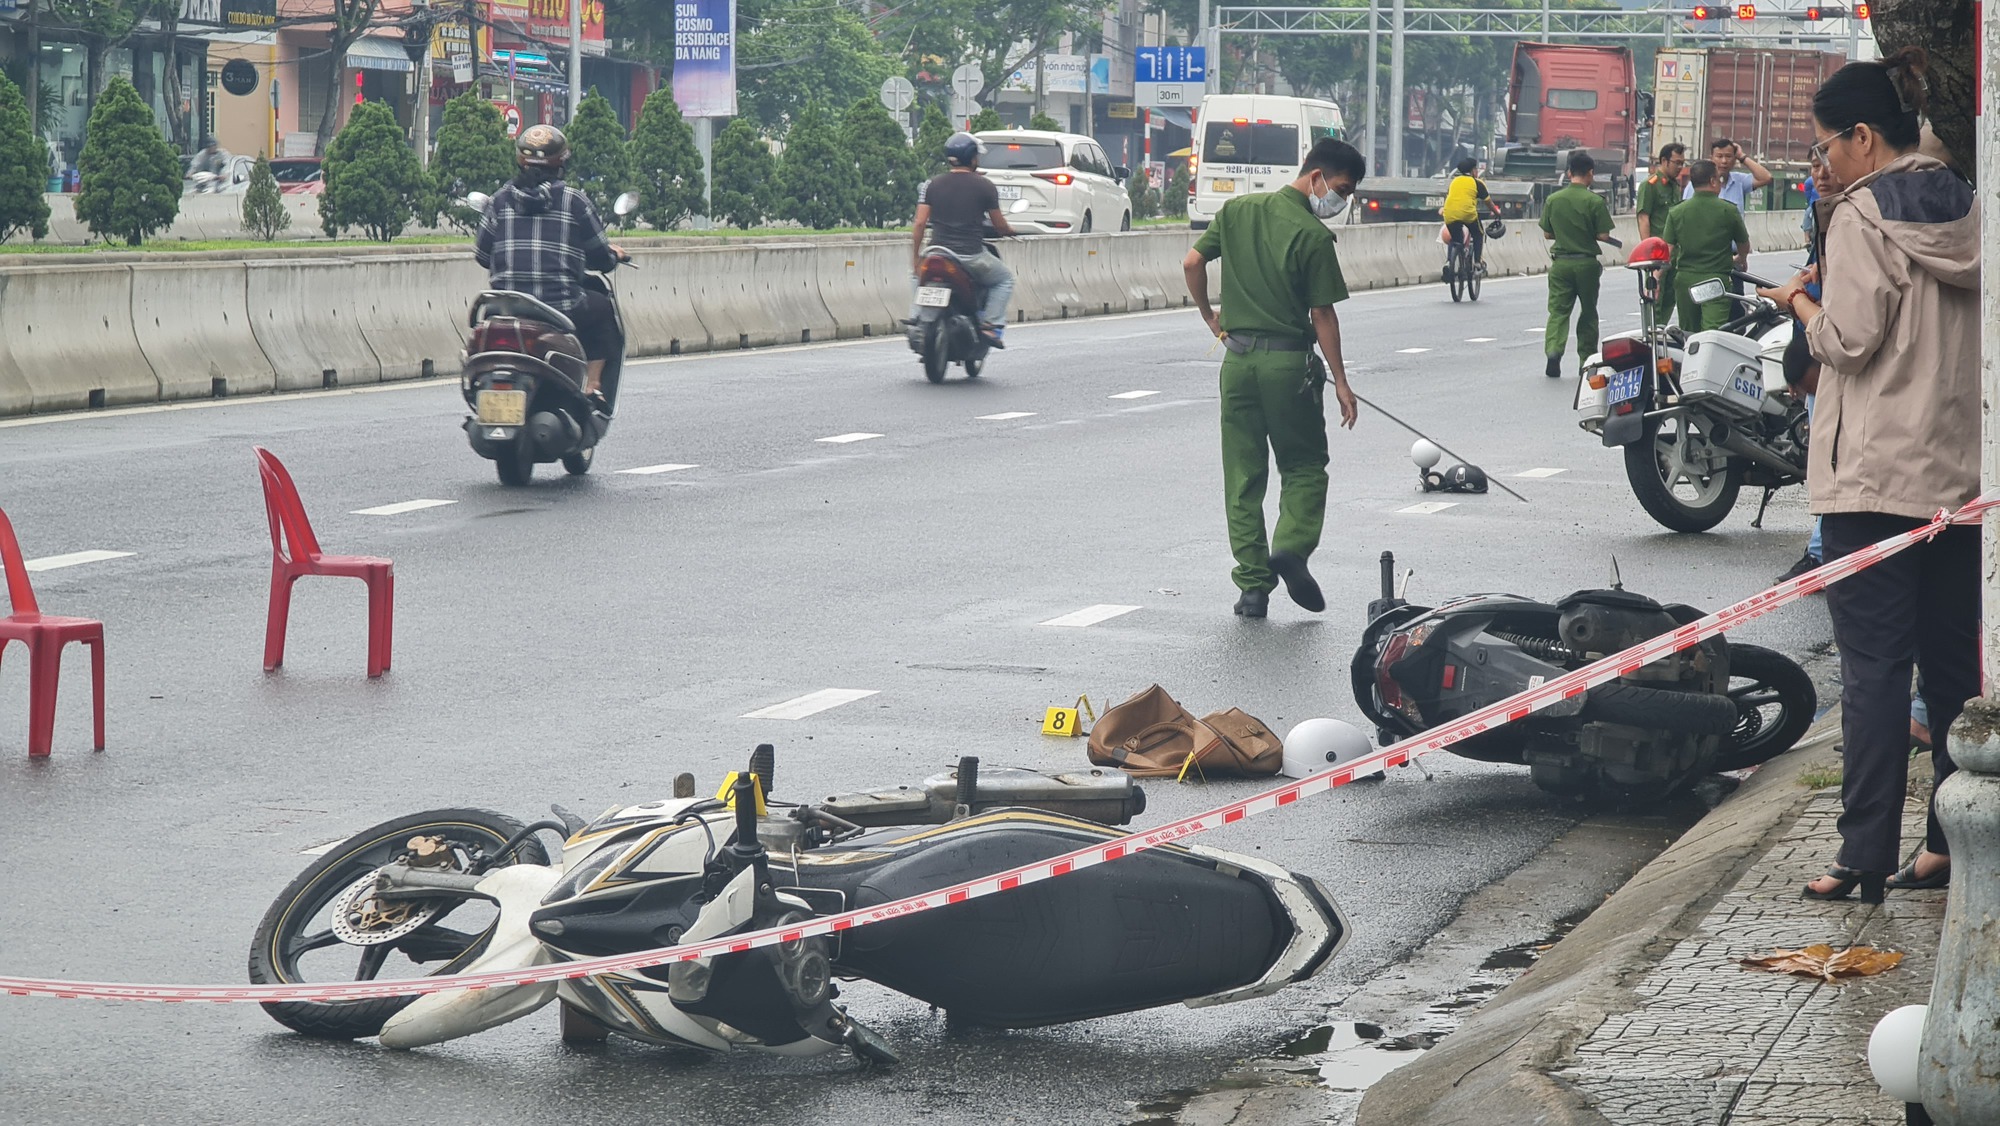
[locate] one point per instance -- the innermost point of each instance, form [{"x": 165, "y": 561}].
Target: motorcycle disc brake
[{"x": 360, "y": 919}]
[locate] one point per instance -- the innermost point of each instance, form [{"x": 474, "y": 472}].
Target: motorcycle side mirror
[
  {"x": 625, "y": 204},
  {"x": 477, "y": 200},
  {"x": 1710, "y": 290}
]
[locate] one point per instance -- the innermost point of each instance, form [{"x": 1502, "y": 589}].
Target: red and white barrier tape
[{"x": 1506, "y": 711}]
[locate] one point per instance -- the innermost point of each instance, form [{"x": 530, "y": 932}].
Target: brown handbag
[{"x": 1152, "y": 736}]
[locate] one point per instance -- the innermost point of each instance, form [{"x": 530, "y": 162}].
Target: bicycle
[{"x": 1461, "y": 271}]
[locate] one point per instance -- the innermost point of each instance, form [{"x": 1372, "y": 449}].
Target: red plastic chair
[
  {"x": 295, "y": 554},
  {"x": 45, "y": 635}
]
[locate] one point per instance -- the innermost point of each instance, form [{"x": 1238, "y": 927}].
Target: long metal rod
[
  {"x": 1433, "y": 441},
  {"x": 1374, "y": 72}
]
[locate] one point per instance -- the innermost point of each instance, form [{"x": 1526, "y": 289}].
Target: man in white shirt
[{"x": 1737, "y": 184}]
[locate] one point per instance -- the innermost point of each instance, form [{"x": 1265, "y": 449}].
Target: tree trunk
[
  {"x": 1949, "y": 32},
  {"x": 34, "y": 91},
  {"x": 330, "y": 114},
  {"x": 95, "y": 48},
  {"x": 170, "y": 82}
]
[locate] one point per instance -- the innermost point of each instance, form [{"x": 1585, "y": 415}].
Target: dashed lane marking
[
  {"x": 1134, "y": 394},
  {"x": 1480, "y": 339},
  {"x": 1091, "y": 615},
  {"x": 843, "y": 439},
  {"x": 1534, "y": 474},
  {"x": 1534, "y": 331},
  {"x": 56, "y": 562},
  {"x": 400, "y": 507},
  {"x": 1429, "y": 506},
  {"x": 644, "y": 470},
  {"x": 811, "y": 703},
  {"x": 1410, "y": 351},
  {"x": 1005, "y": 415}
]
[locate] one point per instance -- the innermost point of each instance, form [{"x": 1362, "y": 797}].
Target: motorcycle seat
[{"x": 507, "y": 303}]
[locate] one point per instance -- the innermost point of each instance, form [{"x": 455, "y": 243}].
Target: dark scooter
[{"x": 945, "y": 330}]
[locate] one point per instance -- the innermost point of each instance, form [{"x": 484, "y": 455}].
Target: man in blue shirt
[{"x": 1737, "y": 184}]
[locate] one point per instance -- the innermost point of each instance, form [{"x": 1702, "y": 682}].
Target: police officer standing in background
[
  {"x": 1280, "y": 280},
  {"x": 1704, "y": 232},
  {"x": 1575, "y": 219},
  {"x": 1657, "y": 196}
]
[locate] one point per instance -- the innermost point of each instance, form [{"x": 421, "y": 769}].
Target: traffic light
[
  {"x": 1861, "y": 11},
  {"x": 1704, "y": 12},
  {"x": 1812, "y": 15},
  {"x": 1746, "y": 11}
]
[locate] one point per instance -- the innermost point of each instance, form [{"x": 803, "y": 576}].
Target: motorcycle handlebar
[{"x": 1752, "y": 279}]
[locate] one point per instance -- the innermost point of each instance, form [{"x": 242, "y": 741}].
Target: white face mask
[{"x": 1329, "y": 204}]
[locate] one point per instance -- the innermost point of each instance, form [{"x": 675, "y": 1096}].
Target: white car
[{"x": 1068, "y": 184}]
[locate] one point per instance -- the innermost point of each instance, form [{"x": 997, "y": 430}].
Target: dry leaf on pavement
[{"x": 1824, "y": 962}]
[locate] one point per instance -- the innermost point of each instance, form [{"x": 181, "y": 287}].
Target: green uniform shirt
[
  {"x": 1278, "y": 263},
  {"x": 1656, "y": 198},
  {"x": 1576, "y": 216},
  {"x": 1704, "y": 232}
]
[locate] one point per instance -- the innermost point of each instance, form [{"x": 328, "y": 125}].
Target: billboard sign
[{"x": 705, "y": 57}]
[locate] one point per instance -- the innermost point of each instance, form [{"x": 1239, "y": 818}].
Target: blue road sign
[{"x": 1171, "y": 64}]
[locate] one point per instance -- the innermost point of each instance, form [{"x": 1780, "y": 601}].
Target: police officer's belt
[{"x": 1242, "y": 342}]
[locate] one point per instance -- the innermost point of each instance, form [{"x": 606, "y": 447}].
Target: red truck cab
[{"x": 1573, "y": 97}]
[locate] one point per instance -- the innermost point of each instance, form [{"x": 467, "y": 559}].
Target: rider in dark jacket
[{"x": 539, "y": 235}]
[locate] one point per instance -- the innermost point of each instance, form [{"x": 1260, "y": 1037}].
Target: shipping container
[{"x": 1759, "y": 98}]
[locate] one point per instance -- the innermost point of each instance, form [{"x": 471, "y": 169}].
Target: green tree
[
  {"x": 666, "y": 164},
  {"x": 932, "y": 133},
  {"x": 1173, "y": 203},
  {"x": 1044, "y": 122},
  {"x": 1144, "y": 198},
  {"x": 985, "y": 120},
  {"x": 131, "y": 177},
  {"x": 372, "y": 178},
  {"x": 798, "y": 51},
  {"x": 264, "y": 213},
  {"x": 48, "y": 112},
  {"x": 816, "y": 180},
  {"x": 998, "y": 35},
  {"x": 886, "y": 170},
  {"x": 473, "y": 155},
  {"x": 599, "y": 164},
  {"x": 745, "y": 172},
  {"x": 23, "y": 169}
]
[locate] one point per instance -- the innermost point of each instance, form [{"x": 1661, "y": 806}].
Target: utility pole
[
  {"x": 423, "y": 122},
  {"x": 1208, "y": 44},
  {"x": 1397, "y": 113},
  {"x": 575, "y": 57},
  {"x": 1545, "y": 21},
  {"x": 1374, "y": 79}
]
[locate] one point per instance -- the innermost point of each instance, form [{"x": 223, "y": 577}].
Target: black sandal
[
  {"x": 1870, "y": 883},
  {"x": 1908, "y": 880}
]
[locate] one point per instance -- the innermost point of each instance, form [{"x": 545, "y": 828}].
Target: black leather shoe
[
  {"x": 1299, "y": 581},
  {"x": 1254, "y": 604},
  {"x": 1555, "y": 368}
]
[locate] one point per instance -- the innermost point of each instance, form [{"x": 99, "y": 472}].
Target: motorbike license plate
[
  {"x": 1009, "y": 193},
  {"x": 1222, "y": 187},
  {"x": 1625, "y": 385},
  {"x": 502, "y": 408},
  {"x": 934, "y": 297}
]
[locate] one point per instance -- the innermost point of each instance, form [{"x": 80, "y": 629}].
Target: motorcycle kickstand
[{"x": 1758, "y": 523}]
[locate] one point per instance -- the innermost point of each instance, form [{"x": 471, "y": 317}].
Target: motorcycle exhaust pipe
[{"x": 1734, "y": 441}]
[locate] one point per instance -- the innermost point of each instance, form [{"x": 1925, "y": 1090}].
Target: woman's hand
[{"x": 1782, "y": 295}]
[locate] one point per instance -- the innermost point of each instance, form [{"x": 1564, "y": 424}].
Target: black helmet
[
  {"x": 541, "y": 146},
  {"x": 1496, "y": 228},
  {"x": 1465, "y": 479},
  {"x": 207, "y": 141},
  {"x": 964, "y": 150}
]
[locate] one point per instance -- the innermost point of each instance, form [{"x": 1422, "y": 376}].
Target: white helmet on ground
[{"x": 1316, "y": 744}]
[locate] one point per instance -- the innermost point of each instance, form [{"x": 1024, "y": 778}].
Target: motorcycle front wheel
[
  {"x": 1679, "y": 478},
  {"x": 297, "y": 942},
  {"x": 1775, "y": 702}
]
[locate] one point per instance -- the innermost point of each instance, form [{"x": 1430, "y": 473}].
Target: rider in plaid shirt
[{"x": 539, "y": 235}]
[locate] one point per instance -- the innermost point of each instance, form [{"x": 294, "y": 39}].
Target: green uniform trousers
[
  {"x": 1663, "y": 309},
  {"x": 1270, "y": 412},
  {"x": 1572, "y": 281},
  {"x": 1697, "y": 317}
]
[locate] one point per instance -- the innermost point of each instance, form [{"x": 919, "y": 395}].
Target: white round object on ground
[
  {"x": 1893, "y": 1051},
  {"x": 1425, "y": 453},
  {"x": 1316, "y": 744}
]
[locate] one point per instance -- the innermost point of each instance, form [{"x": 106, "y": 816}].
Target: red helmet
[{"x": 1649, "y": 253}]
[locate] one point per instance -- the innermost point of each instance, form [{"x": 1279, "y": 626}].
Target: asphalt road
[{"x": 583, "y": 640}]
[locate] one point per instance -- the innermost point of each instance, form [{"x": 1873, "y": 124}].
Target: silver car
[{"x": 1068, "y": 184}]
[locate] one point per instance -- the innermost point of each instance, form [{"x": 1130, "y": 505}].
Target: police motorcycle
[
  {"x": 945, "y": 330},
  {"x": 1699, "y": 415},
  {"x": 524, "y": 375},
  {"x": 459, "y": 890},
  {"x": 1645, "y": 737}
]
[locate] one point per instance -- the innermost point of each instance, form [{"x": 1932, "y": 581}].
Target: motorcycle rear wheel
[
  {"x": 1661, "y": 709},
  {"x": 294, "y": 926},
  {"x": 516, "y": 466},
  {"x": 1761, "y": 680},
  {"x": 936, "y": 363},
  {"x": 1656, "y": 482}
]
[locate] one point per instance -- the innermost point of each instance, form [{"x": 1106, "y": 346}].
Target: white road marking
[
  {"x": 811, "y": 703},
  {"x": 1134, "y": 394},
  {"x": 1479, "y": 339},
  {"x": 1538, "y": 473},
  {"x": 53, "y": 562},
  {"x": 1429, "y": 506},
  {"x": 1005, "y": 415},
  {"x": 1091, "y": 615},
  {"x": 650, "y": 469},
  {"x": 320, "y": 850},
  {"x": 1410, "y": 351},
  {"x": 400, "y": 507},
  {"x": 1534, "y": 331},
  {"x": 843, "y": 439}
]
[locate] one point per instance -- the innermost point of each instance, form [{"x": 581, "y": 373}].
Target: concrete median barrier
[
  {"x": 306, "y": 316},
  {"x": 193, "y": 325},
  {"x": 411, "y": 311},
  {"x": 787, "y": 289},
  {"x": 657, "y": 302},
  {"x": 727, "y": 296},
  {"x": 865, "y": 286},
  {"x": 1096, "y": 280},
  {"x": 66, "y": 339}
]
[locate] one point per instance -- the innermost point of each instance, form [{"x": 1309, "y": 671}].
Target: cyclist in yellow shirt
[{"x": 1461, "y": 208}]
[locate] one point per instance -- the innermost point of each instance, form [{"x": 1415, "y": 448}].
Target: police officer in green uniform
[
  {"x": 1575, "y": 219},
  {"x": 1280, "y": 280},
  {"x": 1657, "y": 196},
  {"x": 1704, "y": 231}
]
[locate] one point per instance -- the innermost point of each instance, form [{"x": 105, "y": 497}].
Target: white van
[{"x": 1246, "y": 143}]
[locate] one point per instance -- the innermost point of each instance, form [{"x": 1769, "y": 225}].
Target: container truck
[
  {"x": 1561, "y": 98},
  {"x": 1761, "y": 98}
]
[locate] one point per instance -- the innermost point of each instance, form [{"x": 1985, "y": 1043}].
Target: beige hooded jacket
[{"x": 1896, "y": 424}]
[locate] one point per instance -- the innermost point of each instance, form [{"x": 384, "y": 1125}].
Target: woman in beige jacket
[{"x": 1895, "y": 439}]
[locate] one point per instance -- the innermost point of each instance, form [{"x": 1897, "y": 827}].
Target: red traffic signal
[
  {"x": 1704, "y": 12},
  {"x": 1861, "y": 11},
  {"x": 1812, "y": 15},
  {"x": 1746, "y": 11}
]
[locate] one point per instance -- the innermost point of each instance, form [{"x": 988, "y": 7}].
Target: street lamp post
[
  {"x": 1374, "y": 77},
  {"x": 1397, "y": 113},
  {"x": 417, "y": 45},
  {"x": 575, "y": 57}
]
